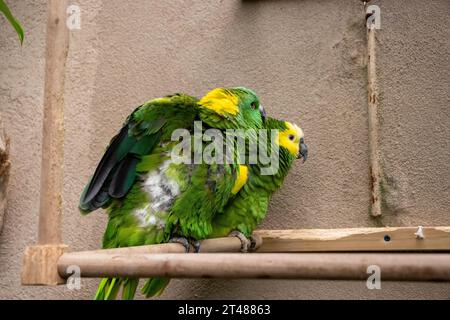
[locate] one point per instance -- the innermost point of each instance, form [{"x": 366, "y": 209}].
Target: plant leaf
[{"x": 16, "y": 24}]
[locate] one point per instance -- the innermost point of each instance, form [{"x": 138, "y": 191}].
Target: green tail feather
[
  {"x": 129, "y": 289},
  {"x": 154, "y": 287},
  {"x": 113, "y": 289},
  {"x": 102, "y": 288},
  {"x": 108, "y": 289}
]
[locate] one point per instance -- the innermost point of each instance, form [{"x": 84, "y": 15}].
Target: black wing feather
[
  {"x": 124, "y": 176},
  {"x": 116, "y": 151}
]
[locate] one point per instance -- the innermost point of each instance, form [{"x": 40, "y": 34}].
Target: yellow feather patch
[
  {"x": 292, "y": 145},
  {"x": 241, "y": 179},
  {"x": 220, "y": 101}
]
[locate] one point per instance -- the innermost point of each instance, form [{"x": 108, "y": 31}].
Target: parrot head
[
  {"x": 232, "y": 108},
  {"x": 290, "y": 138}
]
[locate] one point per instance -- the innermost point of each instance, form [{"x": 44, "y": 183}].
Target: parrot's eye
[
  {"x": 291, "y": 137},
  {"x": 253, "y": 105}
]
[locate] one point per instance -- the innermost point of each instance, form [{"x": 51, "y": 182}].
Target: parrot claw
[
  {"x": 253, "y": 244},
  {"x": 182, "y": 241},
  {"x": 196, "y": 245},
  {"x": 187, "y": 244},
  {"x": 246, "y": 244}
]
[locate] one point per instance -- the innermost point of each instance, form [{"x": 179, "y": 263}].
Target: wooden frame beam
[{"x": 39, "y": 262}]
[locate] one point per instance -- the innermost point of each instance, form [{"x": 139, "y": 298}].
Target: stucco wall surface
[{"x": 306, "y": 61}]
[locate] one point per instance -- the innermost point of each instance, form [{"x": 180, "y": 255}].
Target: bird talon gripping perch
[
  {"x": 196, "y": 245},
  {"x": 182, "y": 241},
  {"x": 254, "y": 243},
  {"x": 246, "y": 244}
]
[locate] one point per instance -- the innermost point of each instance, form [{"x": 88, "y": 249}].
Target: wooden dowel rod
[
  {"x": 53, "y": 124},
  {"x": 227, "y": 244},
  {"x": 372, "y": 97},
  {"x": 339, "y": 266}
]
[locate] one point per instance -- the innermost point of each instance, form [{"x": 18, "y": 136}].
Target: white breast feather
[{"x": 162, "y": 192}]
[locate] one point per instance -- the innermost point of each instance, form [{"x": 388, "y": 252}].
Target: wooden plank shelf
[{"x": 355, "y": 239}]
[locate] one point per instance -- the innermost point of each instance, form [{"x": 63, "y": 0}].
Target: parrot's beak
[
  {"x": 303, "y": 150},
  {"x": 262, "y": 111}
]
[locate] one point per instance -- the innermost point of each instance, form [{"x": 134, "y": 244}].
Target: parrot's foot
[
  {"x": 246, "y": 243},
  {"x": 187, "y": 244},
  {"x": 253, "y": 244},
  {"x": 196, "y": 245},
  {"x": 182, "y": 241}
]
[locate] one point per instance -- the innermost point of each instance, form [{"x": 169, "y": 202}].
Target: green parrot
[
  {"x": 241, "y": 215},
  {"x": 149, "y": 198}
]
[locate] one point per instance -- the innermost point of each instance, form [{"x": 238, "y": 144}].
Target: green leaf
[{"x": 16, "y": 24}]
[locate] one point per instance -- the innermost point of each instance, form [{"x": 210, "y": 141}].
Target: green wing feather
[{"x": 142, "y": 131}]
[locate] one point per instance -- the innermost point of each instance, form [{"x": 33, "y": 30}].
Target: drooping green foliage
[{"x": 12, "y": 20}]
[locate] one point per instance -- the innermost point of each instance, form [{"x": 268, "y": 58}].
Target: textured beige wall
[{"x": 304, "y": 58}]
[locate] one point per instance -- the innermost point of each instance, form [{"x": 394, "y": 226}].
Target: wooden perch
[
  {"x": 48, "y": 257},
  {"x": 341, "y": 266},
  {"x": 103, "y": 262},
  {"x": 227, "y": 244}
]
